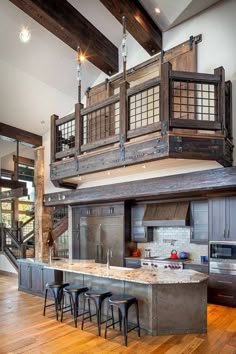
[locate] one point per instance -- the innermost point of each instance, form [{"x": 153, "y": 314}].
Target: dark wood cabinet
[
  {"x": 222, "y": 221},
  {"x": 32, "y": 277},
  {"x": 140, "y": 233},
  {"x": 222, "y": 289},
  {"x": 199, "y": 222}
]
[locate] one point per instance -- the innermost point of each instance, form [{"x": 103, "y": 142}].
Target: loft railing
[{"x": 175, "y": 100}]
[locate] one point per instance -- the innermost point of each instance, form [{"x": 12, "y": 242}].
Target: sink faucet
[{"x": 109, "y": 256}]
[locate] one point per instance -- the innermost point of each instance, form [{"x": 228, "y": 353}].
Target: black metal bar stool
[
  {"x": 74, "y": 291},
  {"x": 122, "y": 303},
  {"x": 57, "y": 291},
  {"x": 97, "y": 296}
]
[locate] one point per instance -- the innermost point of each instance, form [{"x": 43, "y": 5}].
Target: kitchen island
[{"x": 170, "y": 301}]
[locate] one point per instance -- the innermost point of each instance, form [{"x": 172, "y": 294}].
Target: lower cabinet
[
  {"x": 33, "y": 277},
  {"x": 202, "y": 268},
  {"x": 222, "y": 289}
]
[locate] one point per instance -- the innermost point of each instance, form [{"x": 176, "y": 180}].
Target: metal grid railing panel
[
  {"x": 144, "y": 108},
  {"x": 196, "y": 101},
  {"x": 101, "y": 123},
  {"x": 65, "y": 136}
]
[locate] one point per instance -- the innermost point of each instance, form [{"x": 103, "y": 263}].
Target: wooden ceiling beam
[
  {"x": 66, "y": 23},
  {"x": 9, "y": 132},
  {"x": 138, "y": 23},
  {"x": 7, "y": 183},
  {"x": 14, "y": 194}
]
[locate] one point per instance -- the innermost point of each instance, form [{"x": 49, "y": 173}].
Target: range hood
[{"x": 166, "y": 214}]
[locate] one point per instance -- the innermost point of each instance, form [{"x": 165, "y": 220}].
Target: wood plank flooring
[{"x": 23, "y": 329}]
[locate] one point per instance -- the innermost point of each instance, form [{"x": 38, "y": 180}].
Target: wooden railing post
[
  {"x": 78, "y": 128},
  {"x": 221, "y": 97},
  {"x": 54, "y": 117},
  {"x": 165, "y": 97},
  {"x": 228, "y": 109},
  {"x": 124, "y": 110}
]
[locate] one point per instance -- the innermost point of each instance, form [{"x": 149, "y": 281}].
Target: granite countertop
[{"x": 144, "y": 276}]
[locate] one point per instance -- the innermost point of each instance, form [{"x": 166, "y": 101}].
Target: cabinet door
[
  {"x": 24, "y": 273},
  {"x": 37, "y": 286},
  {"x": 217, "y": 219},
  {"x": 231, "y": 218},
  {"x": 199, "y": 222}
]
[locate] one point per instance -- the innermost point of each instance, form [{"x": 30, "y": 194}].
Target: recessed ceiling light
[
  {"x": 24, "y": 35},
  {"x": 157, "y": 10}
]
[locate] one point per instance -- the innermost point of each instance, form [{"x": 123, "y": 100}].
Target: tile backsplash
[{"x": 165, "y": 239}]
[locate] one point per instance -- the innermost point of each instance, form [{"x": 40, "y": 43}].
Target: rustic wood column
[
  {"x": 165, "y": 108},
  {"x": 220, "y": 92},
  {"x": 43, "y": 215}
]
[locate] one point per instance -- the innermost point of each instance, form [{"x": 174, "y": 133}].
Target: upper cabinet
[
  {"x": 222, "y": 220},
  {"x": 199, "y": 221}
]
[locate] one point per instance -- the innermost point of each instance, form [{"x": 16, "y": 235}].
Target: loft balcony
[{"x": 178, "y": 114}]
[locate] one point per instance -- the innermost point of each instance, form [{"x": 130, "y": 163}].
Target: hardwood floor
[{"x": 23, "y": 329}]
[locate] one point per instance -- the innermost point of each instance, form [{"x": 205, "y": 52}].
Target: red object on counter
[
  {"x": 136, "y": 253},
  {"x": 174, "y": 254}
]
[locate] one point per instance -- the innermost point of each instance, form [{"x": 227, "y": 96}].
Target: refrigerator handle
[
  {"x": 101, "y": 253},
  {"x": 97, "y": 256}
]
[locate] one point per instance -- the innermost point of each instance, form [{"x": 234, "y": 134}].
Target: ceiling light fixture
[
  {"x": 157, "y": 10},
  {"x": 25, "y": 35}
]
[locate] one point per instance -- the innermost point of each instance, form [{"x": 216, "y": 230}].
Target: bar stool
[
  {"x": 74, "y": 291},
  {"x": 97, "y": 296},
  {"x": 122, "y": 303},
  {"x": 57, "y": 291}
]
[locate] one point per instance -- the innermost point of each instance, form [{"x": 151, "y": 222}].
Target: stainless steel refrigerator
[{"x": 97, "y": 234}]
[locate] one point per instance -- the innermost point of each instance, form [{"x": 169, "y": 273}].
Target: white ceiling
[{"x": 38, "y": 79}]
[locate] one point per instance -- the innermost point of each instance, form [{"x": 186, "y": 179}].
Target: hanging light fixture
[{"x": 25, "y": 35}]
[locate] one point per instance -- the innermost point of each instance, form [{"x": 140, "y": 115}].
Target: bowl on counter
[{"x": 183, "y": 255}]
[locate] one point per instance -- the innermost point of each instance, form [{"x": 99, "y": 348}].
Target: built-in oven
[
  {"x": 222, "y": 250},
  {"x": 222, "y": 257}
]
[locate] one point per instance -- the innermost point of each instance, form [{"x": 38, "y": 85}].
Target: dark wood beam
[
  {"x": 66, "y": 23},
  {"x": 23, "y": 160},
  {"x": 203, "y": 183},
  {"x": 14, "y": 194},
  {"x": 138, "y": 23},
  {"x": 21, "y": 135},
  {"x": 7, "y": 183}
]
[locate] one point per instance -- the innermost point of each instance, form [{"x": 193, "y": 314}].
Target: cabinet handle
[
  {"x": 227, "y": 296},
  {"x": 228, "y": 233},
  {"x": 224, "y": 234},
  {"x": 111, "y": 210},
  {"x": 224, "y": 282}
]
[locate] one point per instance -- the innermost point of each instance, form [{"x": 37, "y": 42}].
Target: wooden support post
[
  {"x": 78, "y": 128},
  {"x": 165, "y": 97},
  {"x": 221, "y": 97},
  {"x": 43, "y": 215},
  {"x": 228, "y": 110},
  {"x": 124, "y": 110},
  {"x": 53, "y": 142}
]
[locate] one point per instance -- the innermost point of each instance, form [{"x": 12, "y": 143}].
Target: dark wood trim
[
  {"x": 65, "y": 119},
  {"x": 228, "y": 109},
  {"x": 124, "y": 86},
  {"x": 7, "y": 183},
  {"x": 20, "y": 135},
  {"x": 23, "y": 160},
  {"x": 78, "y": 128},
  {"x": 54, "y": 119},
  {"x": 144, "y": 86},
  {"x": 14, "y": 194},
  {"x": 65, "y": 153},
  {"x": 194, "y": 124},
  {"x": 151, "y": 128},
  {"x": 66, "y": 23},
  {"x": 101, "y": 104},
  {"x": 138, "y": 22},
  {"x": 221, "y": 97},
  {"x": 198, "y": 77},
  {"x": 100, "y": 143},
  {"x": 165, "y": 98},
  {"x": 203, "y": 183}
]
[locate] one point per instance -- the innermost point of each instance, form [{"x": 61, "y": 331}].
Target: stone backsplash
[{"x": 166, "y": 239}]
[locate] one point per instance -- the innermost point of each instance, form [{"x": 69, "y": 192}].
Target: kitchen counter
[
  {"x": 142, "y": 276},
  {"x": 170, "y": 301}
]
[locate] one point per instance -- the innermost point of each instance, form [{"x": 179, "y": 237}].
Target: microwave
[{"x": 222, "y": 250}]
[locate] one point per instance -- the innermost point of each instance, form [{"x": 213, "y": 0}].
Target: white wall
[
  {"x": 218, "y": 28},
  {"x": 5, "y": 265}
]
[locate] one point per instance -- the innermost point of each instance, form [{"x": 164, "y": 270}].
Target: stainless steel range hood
[{"x": 167, "y": 214}]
